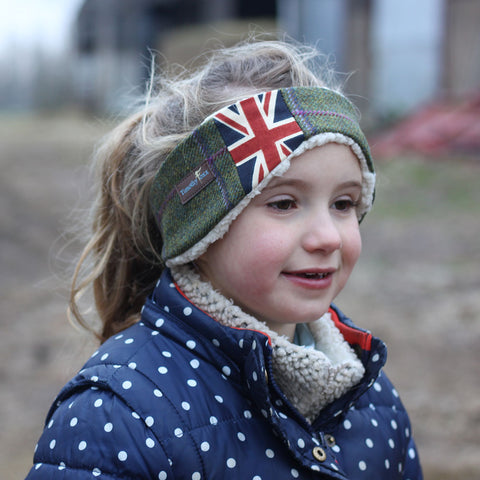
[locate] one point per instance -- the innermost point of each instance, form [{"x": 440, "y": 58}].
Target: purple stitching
[
  {"x": 220, "y": 183},
  {"x": 321, "y": 113},
  {"x": 172, "y": 192}
]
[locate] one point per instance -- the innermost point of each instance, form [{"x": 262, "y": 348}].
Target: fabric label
[{"x": 194, "y": 182}]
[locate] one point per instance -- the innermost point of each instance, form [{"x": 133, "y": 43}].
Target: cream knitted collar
[{"x": 310, "y": 378}]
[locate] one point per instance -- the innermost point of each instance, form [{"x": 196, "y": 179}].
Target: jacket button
[
  {"x": 319, "y": 454},
  {"x": 266, "y": 377},
  {"x": 330, "y": 440}
]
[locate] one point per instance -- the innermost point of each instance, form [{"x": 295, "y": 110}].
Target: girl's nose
[{"x": 322, "y": 234}]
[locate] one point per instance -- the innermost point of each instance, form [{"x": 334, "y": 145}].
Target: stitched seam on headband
[
  {"x": 218, "y": 178},
  {"x": 322, "y": 113},
  {"x": 172, "y": 192},
  {"x": 293, "y": 98},
  {"x": 220, "y": 183}
]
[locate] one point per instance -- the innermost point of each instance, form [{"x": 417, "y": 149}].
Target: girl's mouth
[
  {"x": 310, "y": 275},
  {"x": 310, "y": 280}
]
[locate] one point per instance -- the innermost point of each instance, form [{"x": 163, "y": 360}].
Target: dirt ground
[{"x": 416, "y": 286}]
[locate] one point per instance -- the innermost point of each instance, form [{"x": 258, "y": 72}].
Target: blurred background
[{"x": 69, "y": 68}]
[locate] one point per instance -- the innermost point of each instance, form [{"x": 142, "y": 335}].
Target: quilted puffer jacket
[{"x": 181, "y": 396}]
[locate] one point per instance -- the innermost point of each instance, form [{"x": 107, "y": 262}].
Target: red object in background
[{"x": 438, "y": 129}]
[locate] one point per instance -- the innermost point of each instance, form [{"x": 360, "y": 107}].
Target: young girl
[{"x": 227, "y": 221}]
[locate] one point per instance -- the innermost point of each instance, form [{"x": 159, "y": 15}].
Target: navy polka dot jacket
[{"x": 179, "y": 396}]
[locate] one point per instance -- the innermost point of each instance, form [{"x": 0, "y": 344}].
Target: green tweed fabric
[
  {"x": 182, "y": 225},
  {"x": 320, "y": 110}
]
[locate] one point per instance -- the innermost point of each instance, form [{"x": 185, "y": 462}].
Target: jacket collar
[{"x": 312, "y": 380}]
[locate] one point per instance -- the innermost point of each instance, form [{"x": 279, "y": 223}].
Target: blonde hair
[{"x": 121, "y": 261}]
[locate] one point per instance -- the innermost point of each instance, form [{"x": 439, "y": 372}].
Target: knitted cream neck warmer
[{"x": 310, "y": 378}]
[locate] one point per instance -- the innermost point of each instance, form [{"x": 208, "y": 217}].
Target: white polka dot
[
  {"x": 407, "y": 432},
  {"x": 37, "y": 466},
  {"x": 50, "y": 423},
  {"x": 394, "y": 425},
  {"x": 128, "y": 341},
  {"x": 118, "y": 337},
  {"x": 104, "y": 356},
  {"x": 336, "y": 448},
  {"x": 191, "y": 383},
  {"x": 108, "y": 427},
  {"x": 205, "y": 446},
  {"x": 411, "y": 453},
  {"x": 135, "y": 415},
  {"x": 247, "y": 414},
  {"x": 215, "y": 342},
  {"x": 82, "y": 445},
  {"x": 241, "y": 436},
  {"x": 122, "y": 455},
  {"x": 149, "y": 421},
  {"x": 395, "y": 393},
  {"x": 196, "y": 476},
  {"x": 185, "y": 405},
  {"x": 157, "y": 393},
  {"x": 166, "y": 308},
  {"x": 269, "y": 453},
  {"x": 369, "y": 442},
  {"x": 194, "y": 363},
  {"x": 162, "y": 370},
  {"x": 126, "y": 385},
  {"x": 94, "y": 378},
  {"x": 213, "y": 420},
  {"x": 376, "y": 357},
  {"x": 231, "y": 463},
  {"x": 98, "y": 402},
  {"x": 377, "y": 387},
  {"x": 159, "y": 322},
  {"x": 73, "y": 421},
  {"x": 52, "y": 444},
  {"x": 347, "y": 424},
  {"x": 187, "y": 311},
  {"x": 294, "y": 473},
  {"x": 154, "y": 332},
  {"x": 362, "y": 465},
  {"x": 391, "y": 443},
  {"x": 226, "y": 370},
  {"x": 132, "y": 365},
  {"x": 178, "y": 432},
  {"x": 191, "y": 344},
  {"x": 387, "y": 463},
  {"x": 254, "y": 376},
  {"x": 301, "y": 443},
  {"x": 257, "y": 477},
  {"x": 96, "y": 472},
  {"x": 150, "y": 443},
  {"x": 166, "y": 354},
  {"x": 374, "y": 422},
  {"x": 162, "y": 475},
  {"x": 219, "y": 398}
]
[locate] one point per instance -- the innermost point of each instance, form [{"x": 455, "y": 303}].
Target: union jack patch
[{"x": 259, "y": 132}]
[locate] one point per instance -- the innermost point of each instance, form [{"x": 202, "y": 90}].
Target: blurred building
[
  {"x": 401, "y": 53},
  {"x": 115, "y": 39},
  {"x": 398, "y": 54}
]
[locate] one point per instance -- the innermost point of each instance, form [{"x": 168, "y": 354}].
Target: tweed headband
[{"x": 211, "y": 176}]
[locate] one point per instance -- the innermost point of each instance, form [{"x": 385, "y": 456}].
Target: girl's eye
[
  {"x": 283, "y": 204},
  {"x": 345, "y": 205}
]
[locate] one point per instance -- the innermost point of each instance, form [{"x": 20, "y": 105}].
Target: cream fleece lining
[{"x": 310, "y": 378}]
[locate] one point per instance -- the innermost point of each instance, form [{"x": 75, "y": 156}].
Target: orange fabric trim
[{"x": 352, "y": 335}]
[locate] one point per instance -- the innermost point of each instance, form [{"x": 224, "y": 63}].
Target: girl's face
[{"x": 292, "y": 249}]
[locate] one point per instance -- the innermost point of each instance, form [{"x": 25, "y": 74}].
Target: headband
[{"x": 211, "y": 175}]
